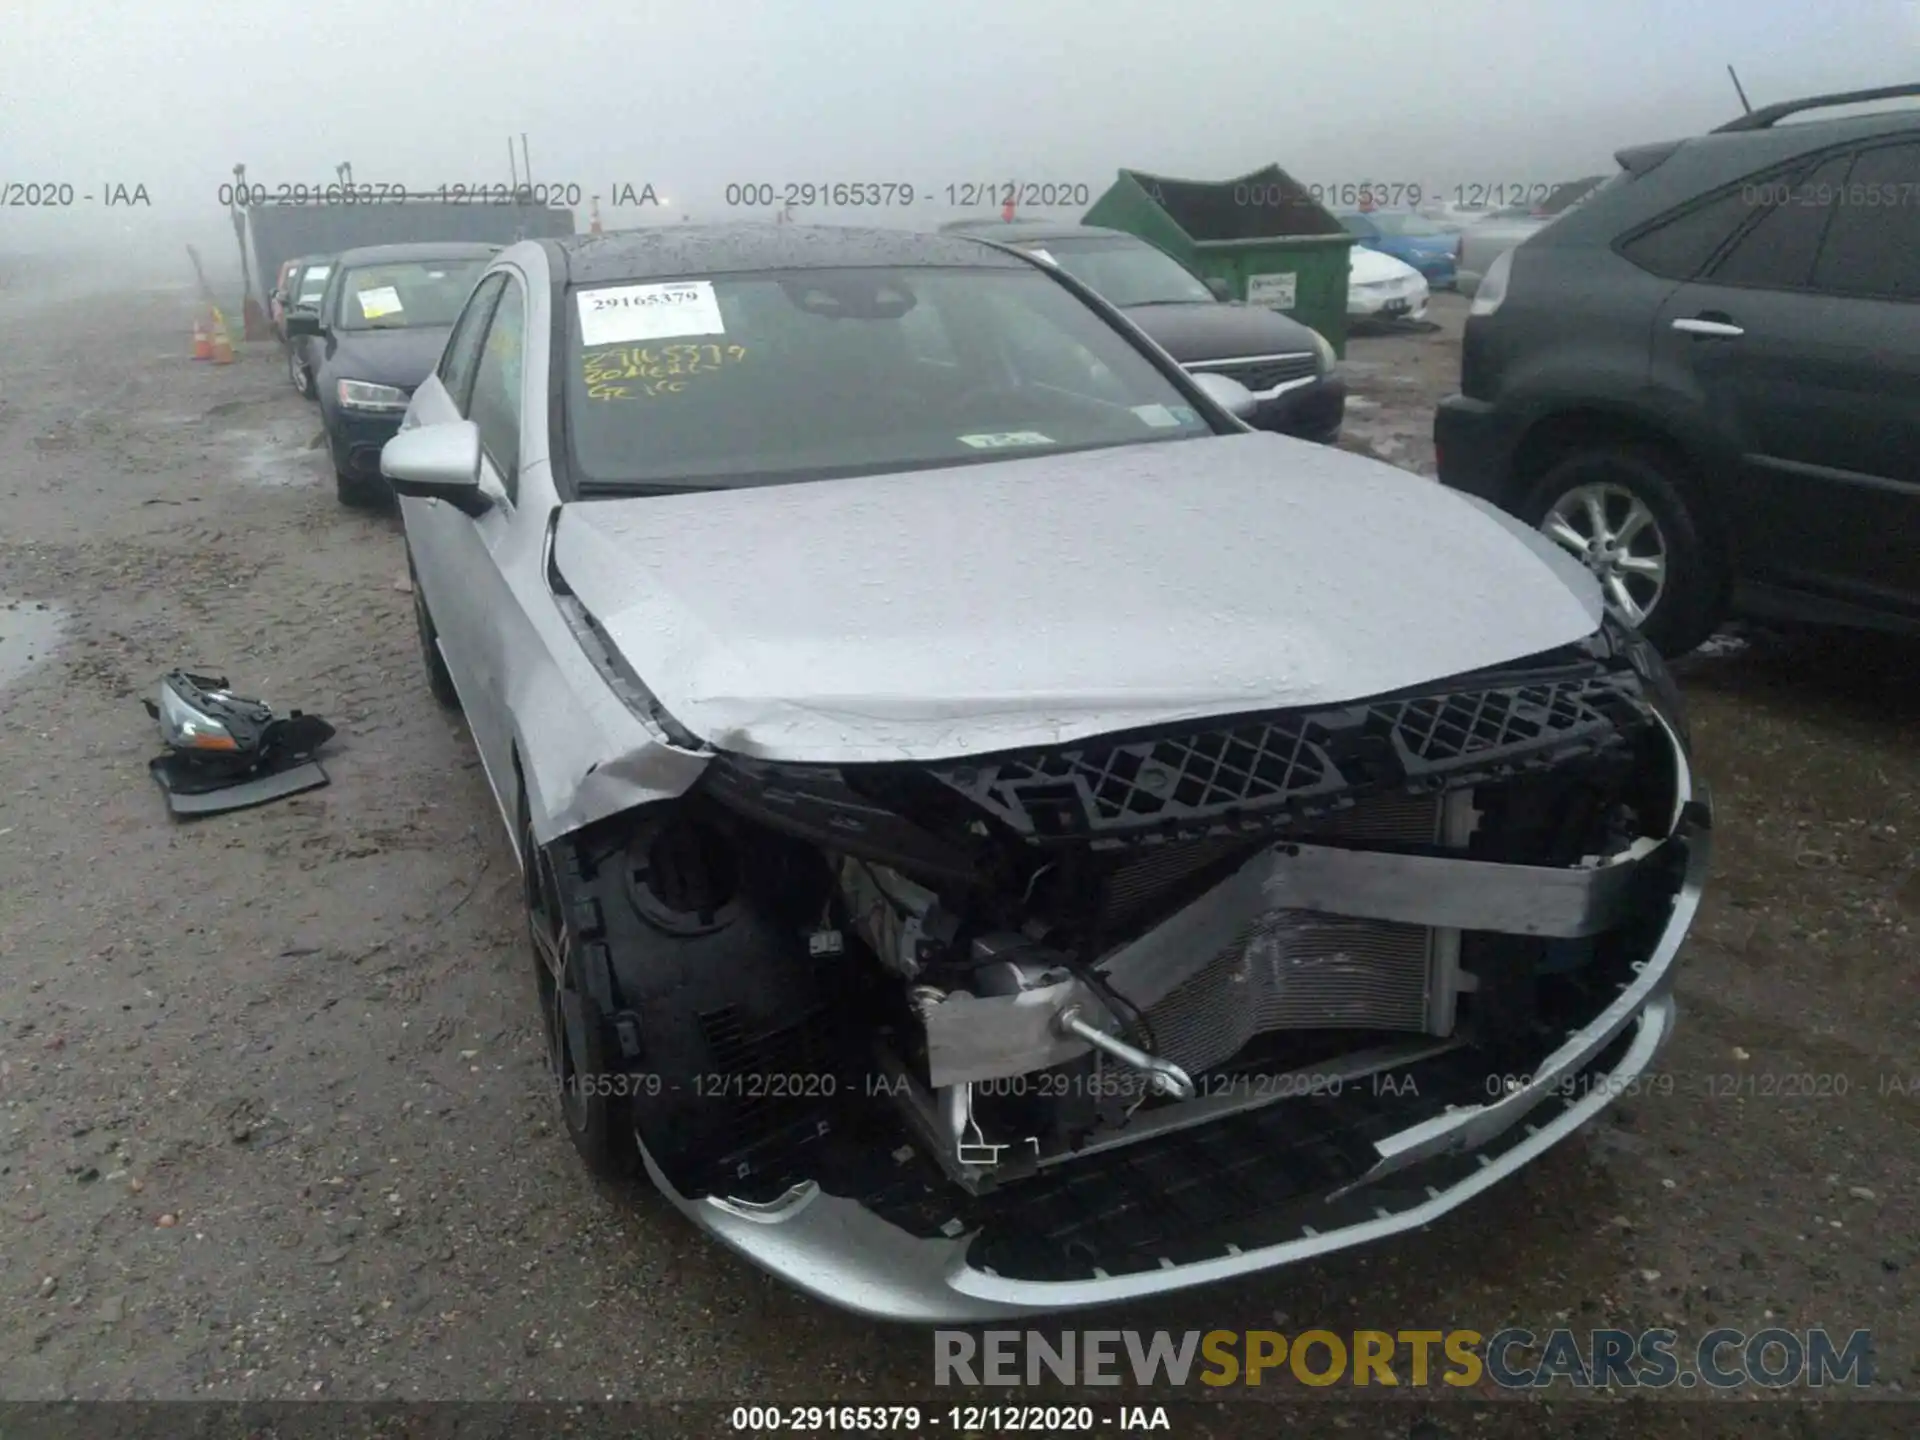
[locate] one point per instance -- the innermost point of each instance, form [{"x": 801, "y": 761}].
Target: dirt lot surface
[{"x": 272, "y": 1122}]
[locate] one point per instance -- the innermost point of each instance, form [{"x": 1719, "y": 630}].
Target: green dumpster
[{"x": 1263, "y": 234}]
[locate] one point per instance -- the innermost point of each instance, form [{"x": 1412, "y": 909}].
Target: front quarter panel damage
[{"x": 584, "y": 753}]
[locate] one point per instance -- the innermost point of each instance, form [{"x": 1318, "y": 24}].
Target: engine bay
[{"x": 1010, "y": 964}]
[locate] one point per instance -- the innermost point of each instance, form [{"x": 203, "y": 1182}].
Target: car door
[
  {"x": 311, "y": 291},
  {"x": 443, "y": 397},
  {"x": 1801, "y": 337},
  {"x": 457, "y": 557}
]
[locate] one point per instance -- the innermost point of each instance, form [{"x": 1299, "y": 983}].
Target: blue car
[{"x": 1431, "y": 249}]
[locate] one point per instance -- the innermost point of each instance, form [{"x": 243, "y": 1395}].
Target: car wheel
[
  {"x": 439, "y": 678},
  {"x": 297, "y": 372},
  {"x": 595, "y": 1106},
  {"x": 1622, "y": 512},
  {"x": 356, "y": 493}
]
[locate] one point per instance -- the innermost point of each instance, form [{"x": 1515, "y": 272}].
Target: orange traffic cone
[
  {"x": 222, "y": 346},
  {"x": 202, "y": 342}
]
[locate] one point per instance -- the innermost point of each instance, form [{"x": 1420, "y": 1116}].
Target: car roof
[
  {"x": 417, "y": 250},
  {"x": 667, "y": 251},
  {"x": 1010, "y": 231}
]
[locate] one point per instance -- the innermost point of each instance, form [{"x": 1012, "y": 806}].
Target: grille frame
[
  {"x": 1243, "y": 774},
  {"x": 1261, "y": 373}
]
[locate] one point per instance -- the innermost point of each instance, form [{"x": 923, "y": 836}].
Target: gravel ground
[{"x": 271, "y": 1117}]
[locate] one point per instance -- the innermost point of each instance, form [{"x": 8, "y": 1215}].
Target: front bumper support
[{"x": 839, "y": 1251}]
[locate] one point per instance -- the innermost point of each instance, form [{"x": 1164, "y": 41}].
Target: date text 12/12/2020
[
  {"x": 883, "y": 194},
  {"x": 568, "y": 194}
]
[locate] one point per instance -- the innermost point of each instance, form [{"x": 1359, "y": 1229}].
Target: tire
[
  {"x": 439, "y": 679},
  {"x": 1680, "y": 606},
  {"x": 355, "y": 493},
  {"x": 595, "y": 1107},
  {"x": 297, "y": 373}
]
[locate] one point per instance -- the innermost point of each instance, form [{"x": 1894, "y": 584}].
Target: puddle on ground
[
  {"x": 29, "y": 634},
  {"x": 268, "y": 460}
]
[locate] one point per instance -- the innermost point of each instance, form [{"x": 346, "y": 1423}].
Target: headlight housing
[
  {"x": 1652, "y": 669},
  {"x": 1324, "y": 349},
  {"x": 1493, "y": 286},
  {"x": 184, "y": 727},
  {"x": 365, "y": 395}
]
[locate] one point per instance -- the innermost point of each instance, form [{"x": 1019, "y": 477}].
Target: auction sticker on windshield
[
  {"x": 622, "y": 313},
  {"x": 382, "y": 300},
  {"x": 1011, "y": 437}
]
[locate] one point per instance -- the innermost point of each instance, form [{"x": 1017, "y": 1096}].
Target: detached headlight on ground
[
  {"x": 184, "y": 727},
  {"x": 364, "y": 395}
]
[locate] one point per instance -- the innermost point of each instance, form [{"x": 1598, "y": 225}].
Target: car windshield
[
  {"x": 1408, "y": 225},
  {"x": 405, "y": 294},
  {"x": 799, "y": 375},
  {"x": 1125, "y": 272}
]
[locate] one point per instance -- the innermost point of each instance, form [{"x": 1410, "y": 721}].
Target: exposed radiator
[
  {"x": 1300, "y": 970},
  {"x": 1295, "y": 970}
]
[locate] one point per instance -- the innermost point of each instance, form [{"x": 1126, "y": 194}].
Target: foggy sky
[{"x": 169, "y": 94}]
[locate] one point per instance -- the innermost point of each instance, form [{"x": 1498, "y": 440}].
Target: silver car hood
[{"x": 960, "y": 611}]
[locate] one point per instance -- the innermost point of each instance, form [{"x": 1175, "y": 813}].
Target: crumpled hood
[{"x": 961, "y": 611}]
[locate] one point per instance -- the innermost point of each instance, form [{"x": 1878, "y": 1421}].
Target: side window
[
  {"x": 1778, "y": 250},
  {"x": 310, "y": 285},
  {"x": 1873, "y": 245},
  {"x": 462, "y": 355},
  {"x": 496, "y": 388},
  {"x": 1677, "y": 248}
]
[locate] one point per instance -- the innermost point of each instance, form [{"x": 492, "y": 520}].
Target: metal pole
[
  {"x": 513, "y": 166},
  {"x": 1740, "y": 90},
  {"x": 526, "y": 164}
]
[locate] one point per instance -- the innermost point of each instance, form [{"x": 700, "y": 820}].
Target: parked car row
[
  {"x": 372, "y": 332},
  {"x": 305, "y": 282},
  {"x": 1430, "y": 248}
]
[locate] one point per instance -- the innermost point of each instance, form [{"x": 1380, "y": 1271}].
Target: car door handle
[{"x": 1700, "y": 325}]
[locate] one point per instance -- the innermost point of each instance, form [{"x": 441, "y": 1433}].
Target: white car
[
  {"x": 1485, "y": 240},
  {"x": 1380, "y": 287},
  {"x": 1000, "y": 836}
]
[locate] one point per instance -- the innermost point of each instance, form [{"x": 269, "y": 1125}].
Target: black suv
[
  {"x": 1289, "y": 367},
  {"x": 1704, "y": 381}
]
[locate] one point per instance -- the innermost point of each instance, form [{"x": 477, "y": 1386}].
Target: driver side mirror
[
  {"x": 303, "y": 322},
  {"x": 1220, "y": 289},
  {"x": 1228, "y": 393},
  {"x": 438, "y": 462}
]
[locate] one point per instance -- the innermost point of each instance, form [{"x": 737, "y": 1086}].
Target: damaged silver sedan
[{"x": 999, "y": 835}]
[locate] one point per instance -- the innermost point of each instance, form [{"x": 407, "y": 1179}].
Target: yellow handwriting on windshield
[{"x": 627, "y": 372}]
